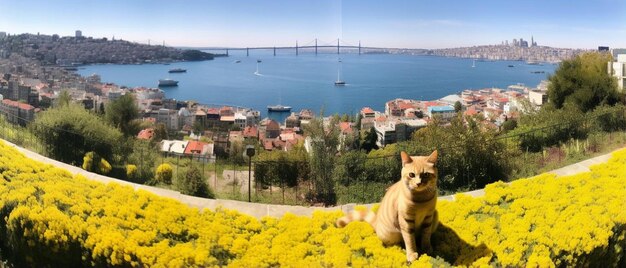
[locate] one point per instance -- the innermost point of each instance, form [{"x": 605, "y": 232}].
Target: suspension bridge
[{"x": 313, "y": 46}]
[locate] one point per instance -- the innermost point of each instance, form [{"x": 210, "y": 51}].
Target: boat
[
  {"x": 257, "y": 68},
  {"x": 339, "y": 82},
  {"x": 511, "y": 66},
  {"x": 167, "y": 82},
  {"x": 178, "y": 70},
  {"x": 237, "y": 61},
  {"x": 537, "y": 72},
  {"x": 278, "y": 108}
]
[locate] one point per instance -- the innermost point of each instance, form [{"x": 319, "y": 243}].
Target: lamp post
[{"x": 250, "y": 153}]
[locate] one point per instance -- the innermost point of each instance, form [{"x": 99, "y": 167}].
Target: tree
[
  {"x": 192, "y": 183},
  {"x": 584, "y": 82},
  {"x": 68, "y": 132},
  {"x": 458, "y": 106},
  {"x": 64, "y": 99},
  {"x": 121, "y": 113},
  {"x": 160, "y": 132},
  {"x": 469, "y": 155},
  {"x": 324, "y": 143},
  {"x": 369, "y": 142}
]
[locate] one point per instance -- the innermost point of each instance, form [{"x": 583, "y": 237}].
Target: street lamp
[{"x": 250, "y": 153}]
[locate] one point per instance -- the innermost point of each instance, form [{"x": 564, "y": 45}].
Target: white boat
[
  {"x": 168, "y": 82},
  {"x": 278, "y": 108},
  {"x": 257, "y": 68},
  {"x": 339, "y": 82}
]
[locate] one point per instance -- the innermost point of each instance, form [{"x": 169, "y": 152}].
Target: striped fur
[{"x": 407, "y": 211}]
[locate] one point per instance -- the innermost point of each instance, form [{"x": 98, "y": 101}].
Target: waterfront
[{"x": 306, "y": 80}]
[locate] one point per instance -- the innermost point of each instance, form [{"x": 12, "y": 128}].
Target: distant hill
[{"x": 52, "y": 49}]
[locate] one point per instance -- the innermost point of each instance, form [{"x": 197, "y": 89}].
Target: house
[
  {"x": 146, "y": 134},
  {"x": 272, "y": 129},
  {"x": 251, "y": 132},
  {"x": 198, "y": 148},
  {"x": 367, "y": 112},
  {"x": 173, "y": 146}
]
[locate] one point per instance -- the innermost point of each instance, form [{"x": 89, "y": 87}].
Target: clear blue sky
[{"x": 389, "y": 23}]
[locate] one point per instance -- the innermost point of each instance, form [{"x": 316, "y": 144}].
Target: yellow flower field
[{"x": 51, "y": 217}]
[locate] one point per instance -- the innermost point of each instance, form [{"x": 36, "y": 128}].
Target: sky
[{"x": 375, "y": 23}]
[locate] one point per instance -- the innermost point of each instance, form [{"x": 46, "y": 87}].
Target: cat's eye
[
  {"x": 424, "y": 175},
  {"x": 411, "y": 175}
]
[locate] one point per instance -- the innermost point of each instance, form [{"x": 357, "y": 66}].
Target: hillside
[{"x": 51, "y": 217}]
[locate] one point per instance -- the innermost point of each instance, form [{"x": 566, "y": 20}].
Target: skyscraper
[{"x": 79, "y": 33}]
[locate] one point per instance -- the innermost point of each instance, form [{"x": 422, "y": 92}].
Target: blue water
[{"x": 306, "y": 80}]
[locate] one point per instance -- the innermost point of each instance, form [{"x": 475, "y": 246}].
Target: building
[
  {"x": 173, "y": 146},
  {"x": 386, "y": 133},
  {"x": 17, "y": 112},
  {"x": 618, "y": 70},
  {"x": 79, "y": 34},
  {"x": 199, "y": 149},
  {"x": 445, "y": 112},
  {"x": 168, "y": 117},
  {"x": 538, "y": 97}
]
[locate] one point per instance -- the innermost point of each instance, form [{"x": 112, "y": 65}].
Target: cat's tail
[{"x": 357, "y": 215}]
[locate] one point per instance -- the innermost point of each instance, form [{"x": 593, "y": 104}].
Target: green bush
[{"x": 192, "y": 183}]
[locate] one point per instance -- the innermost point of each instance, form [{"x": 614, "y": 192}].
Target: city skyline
[{"x": 398, "y": 23}]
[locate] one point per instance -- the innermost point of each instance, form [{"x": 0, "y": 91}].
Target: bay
[{"x": 307, "y": 80}]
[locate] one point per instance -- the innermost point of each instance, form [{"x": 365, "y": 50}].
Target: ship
[
  {"x": 178, "y": 70},
  {"x": 167, "y": 82},
  {"x": 278, "y": 108},
  {"x": 339, "y": 82}
]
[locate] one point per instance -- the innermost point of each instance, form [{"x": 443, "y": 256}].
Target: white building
[
  {"x": 385, "y": 132},
  {"x": 173, "y": 146},
  {"x": 537, "y": 97},
  {"x": 168, "y": 117},
  {"x": 240, "y": 120},
  {"x": 618, "y": 70}
]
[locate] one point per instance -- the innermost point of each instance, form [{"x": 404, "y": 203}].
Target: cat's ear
[
  {"x": 433, "y": 157},
  {"x": 405, "y": 158}
]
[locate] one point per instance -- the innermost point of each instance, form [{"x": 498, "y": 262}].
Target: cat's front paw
[{"x": 410, "y": 257}]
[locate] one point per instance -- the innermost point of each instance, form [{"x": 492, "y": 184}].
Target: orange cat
[{"x": 407, "y": 212}]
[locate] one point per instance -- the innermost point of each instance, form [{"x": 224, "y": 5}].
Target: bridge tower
[
  {"x": 247, "y": 52},
  {"x": 359, "y": 47},
  {"x": 274, "y": 51},
  {"x": 337, "y": 45},
  {"x": 296, "y": 47},
  {"x": 315, "y": 46}
]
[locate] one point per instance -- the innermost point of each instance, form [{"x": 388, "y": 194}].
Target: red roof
[
  {"x": 146, "y": 134},
  {"x": 250, "y": 132},
  {"x": 367, "y": 110},
  {"x": 346, "y": 127},
  {"x": 381, "y": 119},
  {"x": 405, "y": 105},
  {"x": 23, "y": 106},
  {"x": 195, "y": 147}
]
